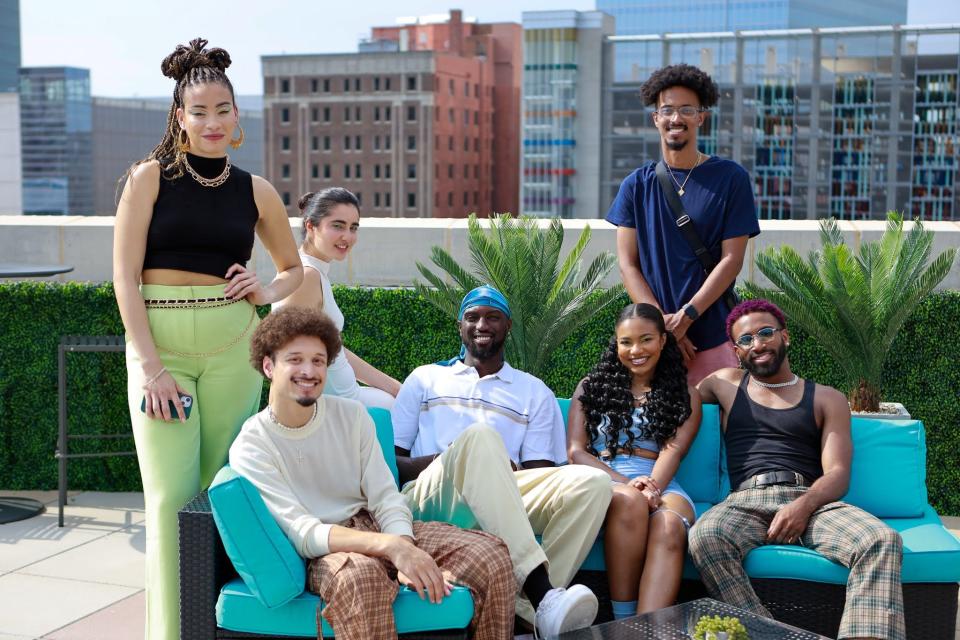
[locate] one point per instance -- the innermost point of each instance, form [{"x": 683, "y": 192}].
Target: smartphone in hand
[{"x": 185, "y": 400}]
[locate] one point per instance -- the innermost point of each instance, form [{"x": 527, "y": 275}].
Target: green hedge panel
[{"x": 395, "y": 330}]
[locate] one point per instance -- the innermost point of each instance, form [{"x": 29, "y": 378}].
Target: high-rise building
[
  {"x": 563, "y": 79},
  {"x": 9, "y": 45},
  {"x": 638, "y": 17},
  {"x": 845, "y": 122},
  {"x": 126, "y": 130},
  {"x": 422, "y": 121},
  {"x": 55, "y": 132}
]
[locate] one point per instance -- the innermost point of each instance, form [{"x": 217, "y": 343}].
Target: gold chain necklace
[
  {"x": 209, "y": 182},
  {"x": 680, "y": 191}
]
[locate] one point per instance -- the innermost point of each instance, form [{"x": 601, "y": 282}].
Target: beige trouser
[{"x": 473, "y": 486}]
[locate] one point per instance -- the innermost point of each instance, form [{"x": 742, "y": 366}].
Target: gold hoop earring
[
  {"x": 183, "y": 141},
  {"x": 235, "y": 143}
]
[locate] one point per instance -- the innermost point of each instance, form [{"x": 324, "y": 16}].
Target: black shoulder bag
[{"x": 685, "y": 224}]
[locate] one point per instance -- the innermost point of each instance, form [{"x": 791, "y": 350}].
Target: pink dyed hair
[{"x": 754, "y": 306}]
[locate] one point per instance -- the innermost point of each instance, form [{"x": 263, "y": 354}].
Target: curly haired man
[{"x": 658, "y": 264}]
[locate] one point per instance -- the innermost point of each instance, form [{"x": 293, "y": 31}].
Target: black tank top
[
  {"x": 760, "y": 439},
  {"x": 202, "y": 229}
]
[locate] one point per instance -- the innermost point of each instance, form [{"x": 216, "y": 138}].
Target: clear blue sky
[{"x": 123, "y": 41}]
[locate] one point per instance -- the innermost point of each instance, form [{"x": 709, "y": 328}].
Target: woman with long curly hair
[
  {"x": 184, "y": 231},
  {"x": 634, "y": 416}
]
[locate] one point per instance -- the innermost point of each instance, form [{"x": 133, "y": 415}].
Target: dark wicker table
[{"x": 677, "y": 623}]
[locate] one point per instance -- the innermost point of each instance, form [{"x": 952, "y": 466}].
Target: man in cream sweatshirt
[{"x": 318, "y": 466}]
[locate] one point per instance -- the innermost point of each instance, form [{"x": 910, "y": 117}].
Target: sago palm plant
[
  {"x": 548, "y": 298},
  {"x": 855, "y": 304}
]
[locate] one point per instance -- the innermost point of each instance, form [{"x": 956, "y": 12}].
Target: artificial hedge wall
[{"x": 397, "y": 331}]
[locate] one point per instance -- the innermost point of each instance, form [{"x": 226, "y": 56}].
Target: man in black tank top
[{"x": 788, "y": 455}]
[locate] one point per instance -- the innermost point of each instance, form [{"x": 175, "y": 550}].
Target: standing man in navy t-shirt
[{"x": 656, "y": 262}]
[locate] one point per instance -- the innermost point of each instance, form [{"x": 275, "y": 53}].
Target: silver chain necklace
[
  {"x": 776, "y": 385},
  {"x": 211, "y": 182},
  {"x": 680, "y": 190}
]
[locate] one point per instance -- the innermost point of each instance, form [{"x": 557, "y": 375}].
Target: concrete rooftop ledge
[{"x": 389, "y": 248}]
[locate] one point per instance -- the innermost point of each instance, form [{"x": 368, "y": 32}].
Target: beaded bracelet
[{"x": 154, "y": 378}]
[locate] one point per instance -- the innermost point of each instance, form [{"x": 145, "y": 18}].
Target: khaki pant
[{"x": 473, "y": 486}]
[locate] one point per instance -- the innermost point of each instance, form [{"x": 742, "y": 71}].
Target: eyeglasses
[
  {"x": 686, "y": 112},
  {"x": 763, "y": 335}
]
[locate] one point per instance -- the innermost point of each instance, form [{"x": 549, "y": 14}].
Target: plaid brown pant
[
  {"x": 359, "y": 590},
  {"x": 840, "y": 532}
]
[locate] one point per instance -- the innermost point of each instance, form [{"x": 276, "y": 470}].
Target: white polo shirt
[{"x": 437, "y": 403}]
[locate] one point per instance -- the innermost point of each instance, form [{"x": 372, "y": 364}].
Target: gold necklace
[
  {"x": 680, "y": 191},
  {"x": 210, "y": 182}
]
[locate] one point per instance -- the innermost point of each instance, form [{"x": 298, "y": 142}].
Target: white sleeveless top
[{"x": 341, "y": 378}]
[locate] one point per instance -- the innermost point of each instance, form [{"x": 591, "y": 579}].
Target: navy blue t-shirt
[{"x": 718, "y": 197}]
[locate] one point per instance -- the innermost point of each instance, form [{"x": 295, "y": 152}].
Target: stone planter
[{"x": 888, "y": 411}]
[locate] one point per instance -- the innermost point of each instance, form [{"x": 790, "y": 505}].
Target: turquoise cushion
[
  {"x": 702, "y": 473},
  {"x": 239, "y": 610},
  {"x": 888, "y": 477},
  {"x": 930, "y": 554},
  {"x": 254, "y": 542},
  {"x": 381, "y": 418}
]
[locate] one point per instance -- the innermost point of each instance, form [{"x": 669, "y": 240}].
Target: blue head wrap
[{"x": 482, "y": 296}]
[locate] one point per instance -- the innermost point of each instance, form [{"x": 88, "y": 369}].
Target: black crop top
[{"x": 202, "y": 229}]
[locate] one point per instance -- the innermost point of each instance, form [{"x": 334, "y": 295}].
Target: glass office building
[
  {"x": 849, "y": 122},
  {"x": 638, "y": 17},
  {"x": 55, "y": 132},
  {"x": 9, "y": 45}
]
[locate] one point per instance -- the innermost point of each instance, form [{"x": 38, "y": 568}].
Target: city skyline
[{"x": 58, "y": 32}]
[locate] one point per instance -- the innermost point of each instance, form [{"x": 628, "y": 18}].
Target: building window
[
  {"x": 346, "y": 84},
  {"x": 376, "y": 143},
  {"x": 387, "y": 114},
  {"x": 285, "y": 86},
  {"x": 376, "y": 199},
  {"x": 466, "y": 144},
  {"x": 376, "y": 172},
  {"x": 451, "y": 116},
  {"x": 450, "y": 143},
  {"x": 315, "y": 171},
  {"x": 346, "y": 143},
  {"x": 285, "y": 143},
  {"x": 451, "y": 86},
  {"x": 356, "y": 84},
  {"x": 466, "y": 199},
  {"x": 476, "y": 144},
  {"x": 346, "y": 114},
  {"x": 285, "y": 115},
  {"x": 326, "y": 114},
  {"x": 286, "y": 198},
  {"x": 314, "y": 85},
  {"x": 476, "y": 117},
  {"x": 411, "y": 200},
  {"x": 466, "y": 116},
  {"x": 386, "y": 142},
  {"x": 315, "y": 143},
  {"x": 436, "y": 171},
  {"x": 376, "y": 114},
  {"x": 386, "y": 87},
  {"x": 346, "y": 171},
  {"x": 326, "y": 171},
  {"x": 376, "y": 87},
  {"x": 466, "y": 89},
  {"x": 450, "y": 171},
  {"x": 411, "y": 114},
  {"x": 476, "y": 171},
  {"x": 411, "y": 83},
  {"x": 466, "y": 171},
  {"x": 476, "y": 197},
  {"x": 326, "y": 85},
  {"x": 411, "y": 171},
  {"x": 411, "y": 143},
  {"x": 386, "y": 199},
  {"x": 358, "y": 143},
  {"x": 326, "y": 143},
  {"x": 476, "y": 91},
  {"x": 356, "y": 171},
  {"x": 450, "y": 198},
  {"x": 386, "y": 171},
  {"x": 314, "y": 114},
  {"x": 285, "y": 171},
  {"x": 436, "y": 142}
]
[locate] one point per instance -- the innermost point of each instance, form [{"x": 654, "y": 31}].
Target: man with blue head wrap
[{"x": 478, "y": 443}]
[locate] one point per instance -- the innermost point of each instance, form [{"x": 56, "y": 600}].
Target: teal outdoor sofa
[{"x": 230, "y": 589}]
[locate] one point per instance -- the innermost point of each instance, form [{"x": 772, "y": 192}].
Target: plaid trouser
[
  {"x": 845, "y": 534},
  {"x": 359, "y": 590}
]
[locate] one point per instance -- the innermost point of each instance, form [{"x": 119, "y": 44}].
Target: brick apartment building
[{"x": 422, "y": 122}]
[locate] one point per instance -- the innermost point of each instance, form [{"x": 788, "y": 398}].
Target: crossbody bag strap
[{"x": 689, "y": 233}]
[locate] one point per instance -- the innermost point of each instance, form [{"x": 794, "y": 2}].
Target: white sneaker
[{"x": 565, "y": 610}]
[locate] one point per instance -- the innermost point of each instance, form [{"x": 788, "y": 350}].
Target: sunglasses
[{"x": 763, "y": 335}]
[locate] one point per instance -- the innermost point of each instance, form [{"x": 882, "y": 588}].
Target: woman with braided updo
[
  {"x": 184, "y": 231},
  {"x": 634, "y": 416}
]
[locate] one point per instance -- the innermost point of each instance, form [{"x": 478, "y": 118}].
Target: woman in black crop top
[{"x": 184, "y": 231}]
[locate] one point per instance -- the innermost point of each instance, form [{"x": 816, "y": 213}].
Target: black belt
[{"x": 774, "y": 477}]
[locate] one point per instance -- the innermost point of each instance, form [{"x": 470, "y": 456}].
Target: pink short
[{"x": 709, "y": 361}]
